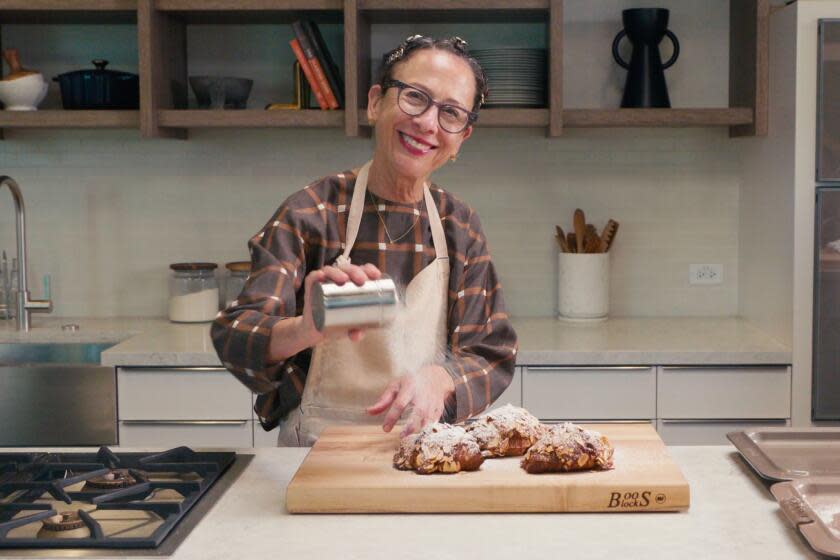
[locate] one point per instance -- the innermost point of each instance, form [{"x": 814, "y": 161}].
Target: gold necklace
[{"x": 381, "y": 219}]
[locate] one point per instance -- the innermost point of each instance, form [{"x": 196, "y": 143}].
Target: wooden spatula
[
  {"x": 580, "y": 229},
  {"x": 571, "y": 242},
  {"x": 608, "y": 235},
  {"x": 561, "y": 239}
]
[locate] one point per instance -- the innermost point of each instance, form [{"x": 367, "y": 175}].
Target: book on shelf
[
  {"x": 329, "y": 66},
  {"x": 315, "y": 65},
  {"x": 307, "y": 72}
]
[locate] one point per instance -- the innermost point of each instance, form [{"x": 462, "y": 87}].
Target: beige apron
[{"x": 346, "y": 377}]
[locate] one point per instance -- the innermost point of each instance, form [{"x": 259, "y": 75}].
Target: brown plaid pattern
[{"x": 307, "y": 233}]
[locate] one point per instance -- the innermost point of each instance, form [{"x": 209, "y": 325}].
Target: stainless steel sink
[
  {"x": 56, "y": 394},
  {"x": 20, "y": 353}
]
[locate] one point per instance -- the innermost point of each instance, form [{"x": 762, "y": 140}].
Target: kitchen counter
[
  {"x": 542, "y": 341},
  {"x": 647, "y": 341},
  {"x": 732, "y": 515}
]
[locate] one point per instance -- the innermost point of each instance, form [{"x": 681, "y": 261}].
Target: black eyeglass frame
[{"x": 472, "y": 116}]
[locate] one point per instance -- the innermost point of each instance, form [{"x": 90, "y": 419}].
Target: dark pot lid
[
  {"x": 194, "y": 266},
  {"x": 98, "y": 71}
]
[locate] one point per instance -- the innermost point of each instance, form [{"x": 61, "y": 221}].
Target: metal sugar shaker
[{"x": 373, "y": 304}]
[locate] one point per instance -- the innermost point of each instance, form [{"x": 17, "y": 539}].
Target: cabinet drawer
[
  {"x": 584, "y": 393},
  {"x": 513, "y": 394},
  {"x": 724, "y": 392},
  {"x": 172, "y": 433},
  {"x": 699, "y": 432},
  {"x": 263, "y": 438},
  {"x": 181, "y": 394}
]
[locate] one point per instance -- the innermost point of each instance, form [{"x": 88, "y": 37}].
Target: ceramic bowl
[
  {"x": 23, "y": 94},
  {"x": 213, "y": 92}
]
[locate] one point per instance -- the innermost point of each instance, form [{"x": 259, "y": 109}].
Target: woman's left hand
[{"x": 426, "y": 391}]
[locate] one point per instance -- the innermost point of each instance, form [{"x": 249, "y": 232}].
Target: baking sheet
[
  {"x": 790, "y": 453},
  {"x": 813, "y": 506}
]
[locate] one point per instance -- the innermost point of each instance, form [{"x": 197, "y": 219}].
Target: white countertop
[
  {"x": 542, "y": 341},
  {"x": 732, "y": 515},
  {"x": 647, "y": 341}
]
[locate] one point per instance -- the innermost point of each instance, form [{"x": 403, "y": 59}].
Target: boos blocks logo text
[{"x": 635, "y": 500}]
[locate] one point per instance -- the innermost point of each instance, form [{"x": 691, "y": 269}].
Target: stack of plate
[{"x": 516, "y": 76}]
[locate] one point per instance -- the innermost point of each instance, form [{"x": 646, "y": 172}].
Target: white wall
[
  {"x": 109, "y": 211},
  {"x": 766, "y": 232}
]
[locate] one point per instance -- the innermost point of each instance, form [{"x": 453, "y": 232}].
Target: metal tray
[
  {"x": 812, "y": 505},
  {"x": 790, "y": 453}
]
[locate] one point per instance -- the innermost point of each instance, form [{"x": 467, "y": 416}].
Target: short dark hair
[{"x": 454, "y": 45}]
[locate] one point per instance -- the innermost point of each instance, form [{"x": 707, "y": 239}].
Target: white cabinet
[
  {"x": 197, "y": 407},
  {"x": 749, "y": 392},
  {"x": 690, "y": 405},
  {"x": 700, "y": 405},
  {"x": 192, "y": 433},
  {"x": 708, "y": 431},
  {"x": 590, "y": 393},
  {"x": 263, "y": 438}
]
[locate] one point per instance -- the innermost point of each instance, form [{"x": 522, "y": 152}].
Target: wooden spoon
[
  {"x": 15, "y": 69},
  {"x": 592, "y": 243},
  {"x": 580, "y": 229},
  {"x": 571, "y": 242}
]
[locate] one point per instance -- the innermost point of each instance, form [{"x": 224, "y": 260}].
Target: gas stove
[{"x": 108, "y": 503}]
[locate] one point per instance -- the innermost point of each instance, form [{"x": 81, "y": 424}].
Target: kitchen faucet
[{"x": 25, "y": 306}]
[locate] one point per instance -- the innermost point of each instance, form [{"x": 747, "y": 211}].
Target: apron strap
[
  {"x": 438, "y": 237},
  {"x": 357, "y": 207},
  {"x": 354, "y": 215}
]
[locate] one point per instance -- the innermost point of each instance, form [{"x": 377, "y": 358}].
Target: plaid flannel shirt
[{"x": 307, "y": 233}]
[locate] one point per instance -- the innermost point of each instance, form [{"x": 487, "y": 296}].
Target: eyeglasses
[{"x": 415, "y": 102}]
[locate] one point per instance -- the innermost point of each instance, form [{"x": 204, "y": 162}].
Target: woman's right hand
[
  {"x": 337, "y": 275},
  {"x": 299, "y": 333}
]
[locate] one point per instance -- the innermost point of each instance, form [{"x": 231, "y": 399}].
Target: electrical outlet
[{"x": 705, "y": 273}]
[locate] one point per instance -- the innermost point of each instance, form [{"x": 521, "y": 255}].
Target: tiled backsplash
[{"x": 107, "y": 211}]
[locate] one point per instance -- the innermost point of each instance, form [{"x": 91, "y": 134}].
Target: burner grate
[{"x": 26, "y": 480}]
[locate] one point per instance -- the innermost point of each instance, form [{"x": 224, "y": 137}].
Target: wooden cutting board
[{"x": 349, "y": 470}]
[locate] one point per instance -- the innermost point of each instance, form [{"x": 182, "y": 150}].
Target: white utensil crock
[{"x": 583, "y": 286}]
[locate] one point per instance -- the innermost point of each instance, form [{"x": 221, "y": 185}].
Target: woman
[{"x": 353, "y": 226}]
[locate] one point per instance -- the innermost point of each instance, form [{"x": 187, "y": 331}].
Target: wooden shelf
[
  {"x": 250, "y": 118},
  {"x": 604, "y": 118},
  {"x": 62, "y": 11},
  {"x": 247, "y": 5},
  {"x": 69, "y": 119},
  {"x": 252, "y": 11},
  {"x": 444, "y": 11},
  {"x": 162, "y": 52}
]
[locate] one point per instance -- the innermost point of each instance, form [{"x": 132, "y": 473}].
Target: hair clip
[{"x": 396, "y": 55}]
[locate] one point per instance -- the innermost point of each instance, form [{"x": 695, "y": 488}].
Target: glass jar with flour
[
  {"x": 193, "y": 292},
  {"x": 237, "y": 275}
]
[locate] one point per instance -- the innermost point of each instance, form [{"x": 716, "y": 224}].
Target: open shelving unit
[
  {"x": 162, "y": 51},
  {"x": 69, "y": 12}
]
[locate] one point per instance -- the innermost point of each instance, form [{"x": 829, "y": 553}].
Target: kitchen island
[{"x": 732, "y": 515}]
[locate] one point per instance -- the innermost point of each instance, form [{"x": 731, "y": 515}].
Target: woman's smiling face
[{"x": 412, "y": 147}]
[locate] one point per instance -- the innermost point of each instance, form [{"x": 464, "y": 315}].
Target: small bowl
[
  {"x": 214, "y": 92},
  {"x": 23, "y": 94}
]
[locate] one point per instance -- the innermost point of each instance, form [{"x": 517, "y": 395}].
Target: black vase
[{"x": 645, "y": 86}]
